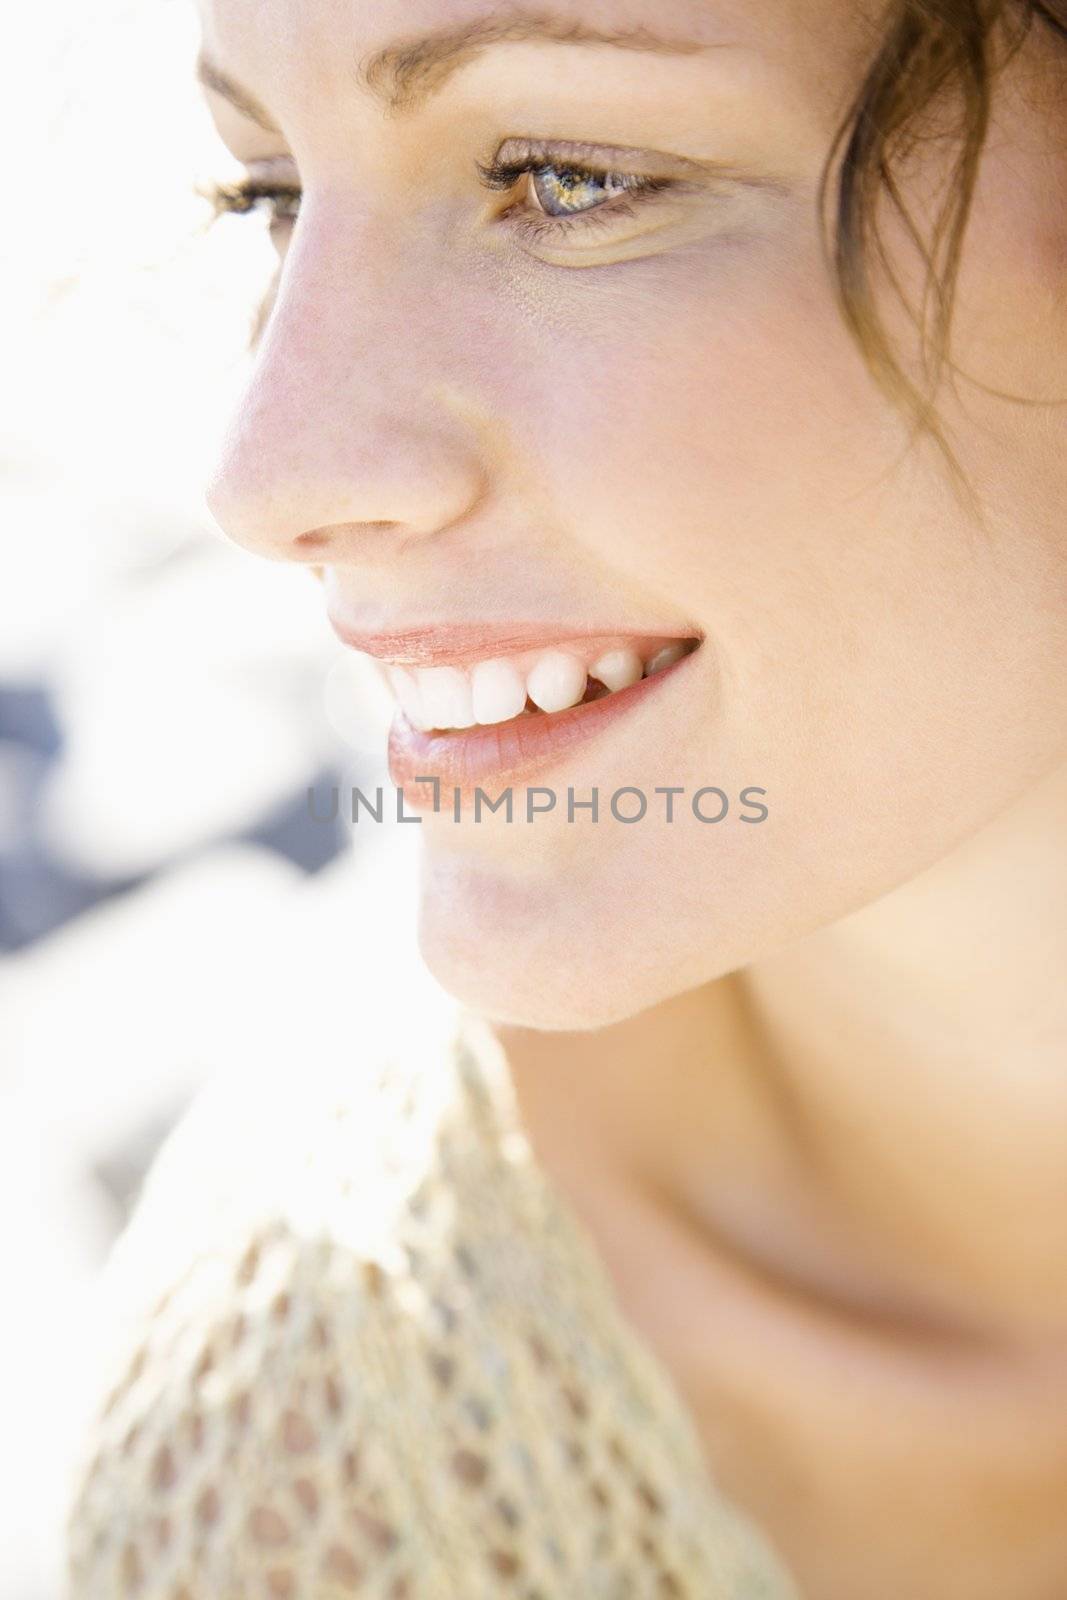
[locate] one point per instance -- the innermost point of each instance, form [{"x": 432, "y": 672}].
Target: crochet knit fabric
[{"x": 358, "y": 1346}]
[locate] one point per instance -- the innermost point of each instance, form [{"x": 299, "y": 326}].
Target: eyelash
[{"x": 248, "y": 194}]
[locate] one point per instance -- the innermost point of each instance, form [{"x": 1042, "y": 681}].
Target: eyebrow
[
  {"x": 404, "y": 75},
  {"x": 212, "y": 77}
]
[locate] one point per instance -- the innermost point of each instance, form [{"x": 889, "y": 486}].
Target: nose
[{"x": 352, "y": 427}]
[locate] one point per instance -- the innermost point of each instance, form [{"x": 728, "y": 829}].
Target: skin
[{"x": 803, "y": 1081}]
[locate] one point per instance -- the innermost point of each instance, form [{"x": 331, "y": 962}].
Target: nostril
[{"x": 321, "y": 538}]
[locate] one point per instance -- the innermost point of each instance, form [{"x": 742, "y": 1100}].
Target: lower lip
[{"x": 503, "y": 753}]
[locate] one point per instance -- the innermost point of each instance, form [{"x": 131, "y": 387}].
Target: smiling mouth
[{"x": 541, "y": 683}]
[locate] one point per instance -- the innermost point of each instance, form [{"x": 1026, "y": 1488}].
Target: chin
[
  {"x": 548, "y": 955},
  {"x": 524, "y": 994},
  {"x": 524, "y": 1000}
]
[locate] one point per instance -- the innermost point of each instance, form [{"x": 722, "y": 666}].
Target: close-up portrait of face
[
  {"x": 590, "y": 951},
  {"x": 556, "y": 375}
]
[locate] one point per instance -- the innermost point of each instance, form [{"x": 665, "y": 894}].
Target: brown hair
[{"x": 933, "y": 53}]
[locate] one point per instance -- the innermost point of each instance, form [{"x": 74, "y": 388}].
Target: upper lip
[{"x": 453, "y": 644}]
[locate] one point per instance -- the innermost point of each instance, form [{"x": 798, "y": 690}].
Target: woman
[{"x": 736, "y": 1198}]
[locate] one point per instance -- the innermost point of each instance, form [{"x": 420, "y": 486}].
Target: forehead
[
  {"x": 373, "y": 24},
  {"x": 337, "y": 39}
]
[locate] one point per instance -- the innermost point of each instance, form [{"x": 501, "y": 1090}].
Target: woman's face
[{"x": 605, "y": 414}]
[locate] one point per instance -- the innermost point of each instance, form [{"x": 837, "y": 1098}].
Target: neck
[
  {"x": 921, "y": 1045},
  {"x": 830, "y": 1191},
  {"x": 878, "y": 1109},
  {"x": 958, "y": 975}
]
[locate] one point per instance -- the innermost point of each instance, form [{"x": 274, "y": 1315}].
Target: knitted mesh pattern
[{"x": 359, "y": 1347}]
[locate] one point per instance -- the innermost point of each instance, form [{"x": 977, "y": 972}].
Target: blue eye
[
  {"x": 562, "y": 190},
  {"x": 568, "y": 191}
]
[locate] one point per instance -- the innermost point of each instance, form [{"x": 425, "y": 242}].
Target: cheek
[
  {"x": 704, "y": 421},
  {"x": 708, "y": 435}
]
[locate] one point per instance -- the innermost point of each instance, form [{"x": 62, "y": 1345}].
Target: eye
[
  {"x": 562, "y": 189},
  {"x": 568, "y": 191},
  {"x": 280, "y": 201}
]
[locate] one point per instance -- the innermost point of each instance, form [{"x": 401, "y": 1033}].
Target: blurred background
[{"x": 168, "y": 904}]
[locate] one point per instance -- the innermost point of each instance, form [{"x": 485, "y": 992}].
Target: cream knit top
[{"x": 360, "y": 1347}]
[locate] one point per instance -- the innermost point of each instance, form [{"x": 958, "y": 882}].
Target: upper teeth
[
  {"x": 497, "y": 690},
  {"x": 556, "y": 681}
]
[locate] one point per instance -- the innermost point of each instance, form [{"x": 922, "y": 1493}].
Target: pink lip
[
  {"x": 504, "y": 753},
  {"x": 440, "y": 646}
]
